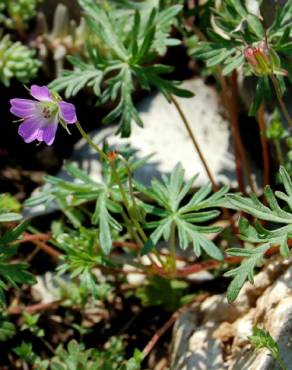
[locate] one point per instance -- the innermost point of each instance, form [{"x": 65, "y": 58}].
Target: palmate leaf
[
  {"x": 186, "y": 217},
  {"x": 246, "y": 270},
  {"x": 120, "y": 53},
  {"x": 69, "y": 195},
  {"x": 257, "y": 234},
  {"x": 12, "y": 273}
]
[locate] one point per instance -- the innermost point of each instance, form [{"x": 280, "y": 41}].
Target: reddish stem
[
  {"x": 38, "y": 307},
  {"x": 233, "y": 115},
  {"x": 264, "y": 144},
  {"x": 152, "y": 342},
  {"x": 31, "y": 238}
]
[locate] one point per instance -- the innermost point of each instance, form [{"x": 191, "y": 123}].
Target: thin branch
[
  {"x": 47, "y": 249},
  {"x": 160, "y": 332},
  {"x": 194, "y": 141},
  {"x": 38, "y": 307},
  {"x": 151, "y": 344},
  {"x": 33, "y": 237}
]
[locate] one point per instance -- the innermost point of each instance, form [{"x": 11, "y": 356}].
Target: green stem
[
  {"x": 280, "y": 99},
  {"x": 131, "y": 188},
  {"x": 128, "y": 221},
  {"x": 90, "y": 142},
  {"x": 131, "y": 231},
  {"x": 173, "y": 248},
  {"x": 136, "y": 223},
  {"x": 194, "y": 141},
  {"x": 120, "y": 185}
]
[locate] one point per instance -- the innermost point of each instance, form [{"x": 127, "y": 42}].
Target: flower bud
[{"x": 263, "y": 60}]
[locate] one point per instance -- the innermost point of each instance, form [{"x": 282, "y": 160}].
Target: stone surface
[
  {"x": 213, "y": 335},
  {"x": 165, "y": 136}
]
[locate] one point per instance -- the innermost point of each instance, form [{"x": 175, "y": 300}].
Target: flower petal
[
  {"x": 49, "y": 133},
  {"x": 22, "y": 107},
  {"x": 41, "y": 93},
  {"x": 68, "y": 112},
  {"x": 29, "y": 129}
]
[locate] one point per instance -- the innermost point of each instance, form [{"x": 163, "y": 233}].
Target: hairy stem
[
  {"x": 194, "y": 141},
  {"x": 280, "y": 99}
]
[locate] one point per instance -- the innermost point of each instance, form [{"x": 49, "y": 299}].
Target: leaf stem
[
  {"x": 280, "y": 99},
  {"x": 194, "y": 141}
]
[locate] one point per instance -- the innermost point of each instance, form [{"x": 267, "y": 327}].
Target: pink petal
[
  {"x": 49, "y": 133},
  {"x": 29, "y": 129},
  {"x": 23, "y": 107},
  {"x": 41, "y": 93},
  {"x": 68, "y": 112}
]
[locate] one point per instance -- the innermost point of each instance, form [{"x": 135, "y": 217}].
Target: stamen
[{"x": 47, "y": 112}]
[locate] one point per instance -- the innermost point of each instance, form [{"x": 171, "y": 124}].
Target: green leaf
[
  {"x": 259, "y": 96},
  {"x": 232, "y": 65},
  {"x": 255, "y": 25},
  {"x": 104, "y": 228},
  {"x": 74, "y": 81},
  {"x": 262, "y": 339},
  {"x": 245, "y": 270},
  {"x": 12, "y": 235},
  {"x": 10, "y": 217},
  {"x": 7, "y": 330},
  {"x": 170, "y": 194}
]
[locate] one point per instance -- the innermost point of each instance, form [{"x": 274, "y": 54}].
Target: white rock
[
  {"x": 213, "y": 335},
  {"x": 165, "y": 136}
]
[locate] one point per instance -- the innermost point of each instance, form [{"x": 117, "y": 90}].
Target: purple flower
[{"x": 40, "y": 117}]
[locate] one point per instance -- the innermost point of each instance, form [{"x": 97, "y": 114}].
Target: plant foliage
[
  {"x": 125, "y": 52},
  {"x": 232, "y": 26},
  {"x": 12, "y": 273},
  {"x": 187, "y": 217},
  {"x": 279, "y": 235}
]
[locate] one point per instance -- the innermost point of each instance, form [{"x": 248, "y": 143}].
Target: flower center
[{"x": 47, "y": 113}]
